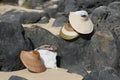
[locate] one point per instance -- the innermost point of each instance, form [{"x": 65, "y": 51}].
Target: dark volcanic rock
[
  {"x": 103, "y": 73},
  {"x": 12, "y": 41},
  {"x": 115, "y": 5},
  {"x": 44, "y": 19},
  {"x": 86, "y": 53},
  {"x": 60, "y": 20},
  {"x": 89, "y": 5},
  {"x": 75, "y": 55},
  {"x": 35, "y": 3},
  {"x": 99, "y": 16},
  {"x": 40, "y": 36},
  {"x": 106, "y": 17},
  {"x": 116, "y": 33},
  {"x": 51, "y": 11},
  {"x": 10, "y": 1},
  {"x": 78, "y": 69},
  {"x": 104, "y": 49},
  {"x": 68, "y": 6},
  {"x": 49, "y": 6},
  {"x": 72, "y": 53},
  {"x": 21, "y": 16},
  {"x": 16, "y": 78}
]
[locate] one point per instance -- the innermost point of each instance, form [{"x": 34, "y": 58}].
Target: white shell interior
[{"x": 80, "y": 13}]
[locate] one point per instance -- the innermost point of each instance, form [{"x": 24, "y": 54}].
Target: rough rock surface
[
  {"x": 12, "y": 41},
  {"x": 107, "y": 18},
  {"x": 89, "y": 5},
  {"x": 67, "y": 6},
  {"x": 16, "y": 78},
  {"x": 44, "y": 20},
  {"x": 20, "y": 15},
  {"x": 75, "y": 53},
  {"x": 52, "y": 7},
  {"x": 116, "y": 33},
  {"x": 60, "y": 21},
  {"x": 10, "y": 1},
  {"x": 87, "y": 52},
  {"x": 104, "y": 49},
  {"x": 49, "y": 6},
  {"x": 79, "y": 69},
  {"x": 103, "y": 73},
  {"x": 35, "y": 3},
  {"x": 40, "y": 36}
]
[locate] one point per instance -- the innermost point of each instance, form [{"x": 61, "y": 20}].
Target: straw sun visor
[
  {"x": 32, "y": 61},
  {"x": 80, "y": 22},
  {"x": 67, "y": 32}
]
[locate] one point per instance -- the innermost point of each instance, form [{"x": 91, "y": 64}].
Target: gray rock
[
  {"x": 88, "y": 3},
  {"x": 49, "y": 6},
  {"x": 70, "y": 5},
  {"x": 72, "y": 53},
  {"x": 51, "y": 10},
  {"x": 10, "y": 1},
  {"x": 40, "y": 36},
  {"x": 116, "y": 33},
  {"x": 99, "y": 16},
  {"x": 93, "y": 3},
  {"x": 106, "y": 17},
  {"x": 16, "y": 78},
  {"x": 115, "y": 5},
  {"x": 21, "y": 16},
  {"x": 35, "y": 3},
  {"x": 44, "y": 19},
  {"x": 74, "y": 5},
  {"x": 78, "y": 69},
  {"x": 104, "y": 49},
  {"x": 75, "y": 55},
  {"x": 12, "y": 42},
  {"x": 60, "y": 21},
  {"x": 103, "y": 73}
]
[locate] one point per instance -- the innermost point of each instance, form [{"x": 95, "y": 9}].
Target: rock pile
[
  {"x": 20, "y": 15},
  {"x": 53, "y": 8},
  {"x": 103, "y": 73},
  {"x": 98, "y": 51},
  {"x": 12, "y": 41}
]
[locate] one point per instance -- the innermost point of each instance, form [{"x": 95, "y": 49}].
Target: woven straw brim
[
  {"x": 32, "y": 61},
  {"x": 68, "y": 35},
  {"x": 80, "y": 25}
]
